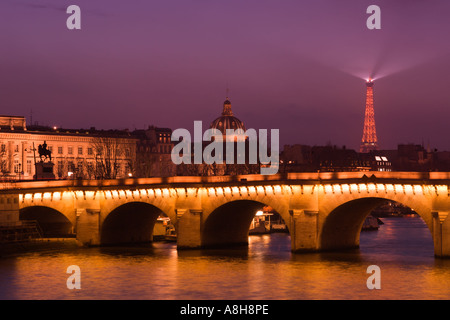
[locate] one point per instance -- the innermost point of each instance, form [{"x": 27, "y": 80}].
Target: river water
[{"x": 266, "y": 269}]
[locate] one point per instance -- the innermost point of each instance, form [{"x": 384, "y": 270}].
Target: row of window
[
  {"x": 3, "y": 148},
  {"x": 60, "y": 149},
  {"x": 90, "y": 164},
  {"x": 70, "y": 150},
  {"x": 18, "y": 167},
  {"x": 70, "y": 165},
  {"x": 164, "y": 137}
]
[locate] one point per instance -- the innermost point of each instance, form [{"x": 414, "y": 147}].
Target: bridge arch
[
  {"x": 131, "y": 222},
  {"x": 342, "y": 226},
  {"x": 229, "y": 223},
  {"x": 64, "y": 205},
  {"x": 52, "y": 222}
]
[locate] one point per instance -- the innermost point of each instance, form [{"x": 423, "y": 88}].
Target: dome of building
[{"x": 227, "y": 120}]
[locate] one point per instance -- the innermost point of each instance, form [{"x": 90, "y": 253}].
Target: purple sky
[{"x": 294, "y": 65}]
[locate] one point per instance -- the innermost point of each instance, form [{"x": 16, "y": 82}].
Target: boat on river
[
  {"x": 164, "y": 230},
  {"x": 371, "y": 223},
  {"x": 267, "y": 221}
]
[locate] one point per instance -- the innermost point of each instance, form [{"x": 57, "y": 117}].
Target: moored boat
[{"x": 371, "y": 223}]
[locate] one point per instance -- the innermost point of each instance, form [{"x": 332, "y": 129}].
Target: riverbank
[{"x": 41, "y": 245}]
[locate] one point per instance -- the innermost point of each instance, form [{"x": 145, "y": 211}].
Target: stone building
[
  {"x": 81, "y": 154},
  {"x": 153, "y": 153}
]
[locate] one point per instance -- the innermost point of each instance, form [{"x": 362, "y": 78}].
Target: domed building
[
  {"x": 240, "y": 164},
  {"x": 227, "y": 121}
]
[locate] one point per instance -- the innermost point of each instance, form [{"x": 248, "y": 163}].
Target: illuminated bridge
[{"x": 323, "y": 211}]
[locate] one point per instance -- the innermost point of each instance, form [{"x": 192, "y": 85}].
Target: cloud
[
  {"x": 56, "y": 7},
  {"x": 41, "y": 5}
]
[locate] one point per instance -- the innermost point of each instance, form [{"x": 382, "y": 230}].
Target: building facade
[
  {"x": 153, "y": 153},
  {"x": 81, "y": 154}
]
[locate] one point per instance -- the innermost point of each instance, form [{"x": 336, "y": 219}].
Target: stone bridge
[{"x": 323, "y": 211}]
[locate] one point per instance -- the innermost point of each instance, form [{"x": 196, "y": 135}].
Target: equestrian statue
[{"x": 44, "y": 153}]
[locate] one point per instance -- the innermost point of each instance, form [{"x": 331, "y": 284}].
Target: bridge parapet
[{"x": 332, "y": 178}]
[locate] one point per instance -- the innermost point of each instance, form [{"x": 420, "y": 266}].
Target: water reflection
[{"x": 265, "y": 269}]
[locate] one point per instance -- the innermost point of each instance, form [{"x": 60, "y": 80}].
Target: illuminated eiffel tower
[{"x": 369, "y": 139}]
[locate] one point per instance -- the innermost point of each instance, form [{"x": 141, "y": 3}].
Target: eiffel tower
[{"x": 369, "y": 139}]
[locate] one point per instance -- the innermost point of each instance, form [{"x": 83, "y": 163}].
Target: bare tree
[
  {"x": 109, "y": 153},
  {"x": 145, "y": 164},
  {"x": 90, "y": 169}
]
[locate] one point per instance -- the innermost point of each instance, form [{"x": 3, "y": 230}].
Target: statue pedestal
[{"x": 44, "y": 171}]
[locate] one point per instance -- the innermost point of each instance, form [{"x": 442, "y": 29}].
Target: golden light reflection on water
[{"x": 266, "y": 269}]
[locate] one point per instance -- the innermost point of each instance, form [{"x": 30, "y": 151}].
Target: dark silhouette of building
[
  {"x": 153, "y": 153},
  {"x": 301, "y": 158}
]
